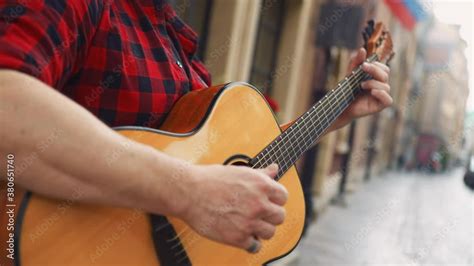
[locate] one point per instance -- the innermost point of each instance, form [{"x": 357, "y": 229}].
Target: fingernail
[
  {"x": 273, "y": 166},
  {"x": 366, "y": 65},
  {"x": 363, "y": 85}
]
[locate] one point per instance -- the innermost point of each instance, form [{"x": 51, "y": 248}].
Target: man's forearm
[{"x": 63, "y": 151}]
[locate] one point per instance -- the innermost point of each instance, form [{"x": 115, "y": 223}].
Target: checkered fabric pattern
[{"x": 125, "y": 61}]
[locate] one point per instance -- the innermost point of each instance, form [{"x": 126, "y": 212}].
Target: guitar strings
[
  {"x": 282, "y": 139},
  {"x": 291, "y": 137},
  {"x": 328, "y": 107},
  {"x": 345, "y": 94},
  {"x": 340, "y": 90},
  {"x": 283, "y": 153},
  {"x": 329, "y": 113}
]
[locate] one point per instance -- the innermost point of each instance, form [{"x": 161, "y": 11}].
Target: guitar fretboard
[{"x": 288, "y": 147}]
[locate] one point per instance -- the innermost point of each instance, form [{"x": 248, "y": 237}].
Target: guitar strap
[{"x": 168, "y": 246}]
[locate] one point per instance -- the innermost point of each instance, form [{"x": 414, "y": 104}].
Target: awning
[{"x": 408, "y": 12}]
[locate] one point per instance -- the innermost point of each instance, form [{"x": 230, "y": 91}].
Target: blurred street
[{"x": 397, "y": 219}]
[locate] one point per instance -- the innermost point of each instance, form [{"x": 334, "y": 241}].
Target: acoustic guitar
[{"x": 228, "y": 124}]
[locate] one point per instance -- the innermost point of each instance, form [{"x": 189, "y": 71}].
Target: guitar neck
[{"x": 288, "y": 147}]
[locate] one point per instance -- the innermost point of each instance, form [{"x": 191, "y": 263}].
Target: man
[{"x": 73, "y": 69}]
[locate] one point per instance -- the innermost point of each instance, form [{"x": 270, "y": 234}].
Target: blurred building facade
[
  {"x": 296, "y": 50},
  {"x": 441, "y": 90}
]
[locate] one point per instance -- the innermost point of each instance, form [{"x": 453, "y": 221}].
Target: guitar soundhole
[
  {"x": 240, "y": 163},
  {"x": 238, "y": 160}
]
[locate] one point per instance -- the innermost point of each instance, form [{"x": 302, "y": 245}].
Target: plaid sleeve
[{"x": 47, "y": 38}]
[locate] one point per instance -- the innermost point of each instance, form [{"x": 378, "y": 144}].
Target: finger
[
  {"x": 271, "y": 170},
  {"x": 373, "y": 84},
  {"x": 358, "y": 58},
  {"x": 383, "y": 97},
  {"x": 375, "y": 71},
  {"x": 264, "y": 230},
  {"x": 276, "y": 192},
  {"x": 384, "y": 67},
  {"x": 251, "y": 245},
  {"x": 276, "y": 216}
]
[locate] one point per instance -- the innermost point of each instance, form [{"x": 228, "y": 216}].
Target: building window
[
  {"x": 196, "y": 13},
  {"x": 267, "y": 42}
]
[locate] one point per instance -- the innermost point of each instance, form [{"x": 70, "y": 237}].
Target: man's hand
[
  {"x": 375, "y": 95},
  {"x": 235, "y": 205}
]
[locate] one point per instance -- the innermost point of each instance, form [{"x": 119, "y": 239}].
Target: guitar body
[{"x": 223, "y": 124}]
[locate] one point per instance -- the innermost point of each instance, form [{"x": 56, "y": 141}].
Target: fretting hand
[{"x": 375, "y": 94}]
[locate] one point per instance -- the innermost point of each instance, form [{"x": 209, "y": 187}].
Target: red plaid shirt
[{"x": 127, "y": 62}]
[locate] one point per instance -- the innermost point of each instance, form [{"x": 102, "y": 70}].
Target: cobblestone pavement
[{"x": 397, "y": 219}]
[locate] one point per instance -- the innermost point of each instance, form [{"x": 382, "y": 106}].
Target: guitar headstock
[{"x": 378, "y": 41}]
